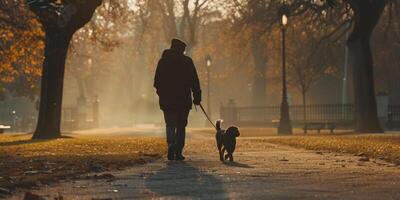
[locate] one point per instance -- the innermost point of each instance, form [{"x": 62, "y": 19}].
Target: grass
[
  {"x": 380, "y": 146},
  {"x": 244, "y": 132},
  {"x": 28, "y": 163},
  {"x": 259, "y": 132}
]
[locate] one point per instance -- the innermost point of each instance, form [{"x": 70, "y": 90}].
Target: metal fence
[
  {"x": 394, "y": 113},
  {"x": 393, "y": 116},
  {"x": 342, "y": 114},
  {"x": 81, "y": 116}
]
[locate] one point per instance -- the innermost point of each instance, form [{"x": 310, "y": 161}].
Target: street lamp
[
  {"x": 284, "y": 20},
  {"x": 14, "y": 120},
  {"x": 208, "y": 67},
  {"x": 208, "y": 61},
  {"x": 285, "y": 126}
]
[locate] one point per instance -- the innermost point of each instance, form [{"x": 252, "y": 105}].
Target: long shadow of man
[
  {"x": 182, "y": 180},
  {"x": 175, "y": 81}
]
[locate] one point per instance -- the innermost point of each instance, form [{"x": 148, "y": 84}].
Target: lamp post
[
  {"x": 285, "y": 126},
  {"x": 208, "y": 66},
  {"x": 14, "y": 120}
]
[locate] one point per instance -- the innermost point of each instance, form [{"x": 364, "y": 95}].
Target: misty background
[{"x": 112, "y": 60}]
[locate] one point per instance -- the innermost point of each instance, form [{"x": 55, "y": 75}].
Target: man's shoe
[{"x": 179, "y": 157}]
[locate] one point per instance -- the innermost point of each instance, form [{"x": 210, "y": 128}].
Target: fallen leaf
[
  {"x": 31, "y": 172},
  {"x": 4, "y": 191},
  {"x": 364, "y": 159},
  {"x": 361, "y": 154},
  {"x": 31, "y": 196}
]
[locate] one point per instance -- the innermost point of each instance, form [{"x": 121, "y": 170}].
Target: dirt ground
[{"x": 262, "y": 171}]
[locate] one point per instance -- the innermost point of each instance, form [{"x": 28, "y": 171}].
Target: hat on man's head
[{"x": 177, "y": 44}]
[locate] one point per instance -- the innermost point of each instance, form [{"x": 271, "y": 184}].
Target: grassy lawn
[
  {"x": 27, "y": 163},
  {"x": 258, "y": 132},
  {"x": 244, "y": 132},
  {"x": 382, "y": 146}
]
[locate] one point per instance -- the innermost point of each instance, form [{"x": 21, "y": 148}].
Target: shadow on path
[
  {"x": 182, "y": 180},
  {"x": 236, "y": 164}
]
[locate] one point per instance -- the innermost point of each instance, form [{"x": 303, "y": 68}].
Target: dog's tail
[{"x": 218, "y": 124}]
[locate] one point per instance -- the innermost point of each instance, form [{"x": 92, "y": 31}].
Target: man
[{"x": 175, "y": 80}]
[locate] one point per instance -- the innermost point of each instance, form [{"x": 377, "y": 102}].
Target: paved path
[{"x": 262, "y": 171}]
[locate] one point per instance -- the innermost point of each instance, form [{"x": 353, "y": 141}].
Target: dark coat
[{"x": 175, "y": 80}]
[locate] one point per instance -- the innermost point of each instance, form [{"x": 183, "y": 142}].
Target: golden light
[
  {"x": 208, "y": 61},
  {"x": 284, "y": 20}
]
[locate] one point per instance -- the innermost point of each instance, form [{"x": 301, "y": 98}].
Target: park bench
[
  {"x": 275, "y": 122},
  {"x": 3, "y": 128},
  {"x": 319, "y": 126}
]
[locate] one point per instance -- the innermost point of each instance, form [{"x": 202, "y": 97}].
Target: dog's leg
[
  {"x": 230, "y": 157},
  {"x": 219, "y": 146},
  {"x": 221, "y": 154},
  {"x": 229, "y": 154},
  {"x": 232, "y": 150}
]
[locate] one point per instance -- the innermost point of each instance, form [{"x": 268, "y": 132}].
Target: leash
[{"x": 205, "y": 113}]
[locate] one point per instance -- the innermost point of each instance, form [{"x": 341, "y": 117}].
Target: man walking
[{"x": 175, "y": 80}]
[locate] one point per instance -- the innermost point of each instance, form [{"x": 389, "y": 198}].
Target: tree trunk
[
  {"x": 303, "y": 93},
  {"x": 367, "y": 14},
  {"x": 59, "y": 28},
  {"x": 366, "y": 119},
  {"x": 52, "y": 85},
  {"x": 260, "y": 62}
]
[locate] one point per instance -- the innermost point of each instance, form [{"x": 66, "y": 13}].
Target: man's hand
[
  {"x": 197, "y": 97},
  {"x": 196, "y": 102}
]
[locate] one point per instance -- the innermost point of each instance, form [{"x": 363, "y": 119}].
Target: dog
[{"x": 226, "y": 140}]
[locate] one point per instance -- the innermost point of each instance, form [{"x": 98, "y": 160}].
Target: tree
[
  {"x": 60, "y": 20},
  {"x": 21, "y": 50},
  {"x": 186, "y": 25},
  {"x": 257, "y": 16},
  {"x": 386, "y": 45},
  {"x": 316, "y": 61},
  {"x": 258, "y": 48},
  {"x": 365, "y": 16},
  {"x": 110, "y": 24}
]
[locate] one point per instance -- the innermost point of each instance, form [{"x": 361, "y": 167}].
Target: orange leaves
[
  {"x": 21, "y": 54},
  {"x": 374, "y": 145},
  {"x": 76, "y": 154},
  {"x": 6, "y": 34}
]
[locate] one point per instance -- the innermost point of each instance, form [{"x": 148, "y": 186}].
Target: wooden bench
[
  {"x": 319, "y": 126},
  {"x": 3, "y": 128},
  {"x": 275, "y": 122}
]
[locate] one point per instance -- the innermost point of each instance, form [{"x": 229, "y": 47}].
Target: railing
[
  {"x": 81, "y": 116},
  {"x": 394, "y": 113},
  {"x": 266, "y": 115},
  {"x": 393, "y": 116}
]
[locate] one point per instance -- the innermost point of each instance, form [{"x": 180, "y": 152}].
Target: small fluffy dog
[{"x": 226, "y": 140}]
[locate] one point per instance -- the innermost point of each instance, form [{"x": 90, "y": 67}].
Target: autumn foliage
[{"x": 21, "y": 55}]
